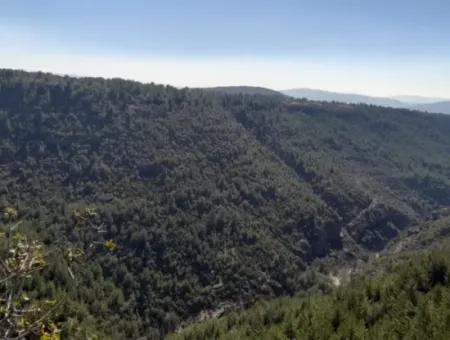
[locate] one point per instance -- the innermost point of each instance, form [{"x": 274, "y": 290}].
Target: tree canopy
[{"x": 211, "y": 198}]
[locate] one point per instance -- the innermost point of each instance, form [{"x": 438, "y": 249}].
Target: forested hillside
[
  {"x": 213, "y": 199},
  {"x": 409, "y": 301},
  {"x": 250, "y": 90}
]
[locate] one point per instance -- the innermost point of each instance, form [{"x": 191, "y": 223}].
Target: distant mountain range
[
  {"x": 341, "y": 97},
  {"x": 437, "y": 105},
  {"x": 420, "y": 103},
  {"x": 418, "y": 99}
]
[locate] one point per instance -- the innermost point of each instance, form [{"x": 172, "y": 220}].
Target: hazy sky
[{"x": 382, "y": 47}]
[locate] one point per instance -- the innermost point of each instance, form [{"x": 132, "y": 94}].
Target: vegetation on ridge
[
  {"x": 211, "y": 198},
  {"x": 409, "y": 301}
]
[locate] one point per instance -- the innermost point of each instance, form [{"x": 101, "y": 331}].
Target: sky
[{"x": 382, "y": 47}]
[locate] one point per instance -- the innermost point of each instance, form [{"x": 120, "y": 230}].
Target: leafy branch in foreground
[{"x": 22, "y": 316}]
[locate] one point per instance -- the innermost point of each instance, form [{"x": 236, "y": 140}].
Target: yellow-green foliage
[
  {"x": 412, "y": 301},
  {"x": 37, "y": 281},
  {"x": 21, "y": 316}
]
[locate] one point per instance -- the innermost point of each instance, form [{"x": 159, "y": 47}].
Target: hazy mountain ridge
[
  {"x": 411, "y": 99},
  {"x": 320, "y": 95},
  {"x": 440, "y": 107},
  {"x": 420, "y": 103},
  {"x": 433, "y": 105}
]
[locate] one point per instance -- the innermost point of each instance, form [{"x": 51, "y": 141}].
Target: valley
[{"x": 214, "y": 199}]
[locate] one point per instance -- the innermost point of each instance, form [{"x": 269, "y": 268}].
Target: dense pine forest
[
  {"x": 409, "y": 301},
  {"x": 215, "y": 199}
]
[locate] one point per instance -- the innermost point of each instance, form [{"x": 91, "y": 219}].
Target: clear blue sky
[{"x": 408, "y": 41}]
